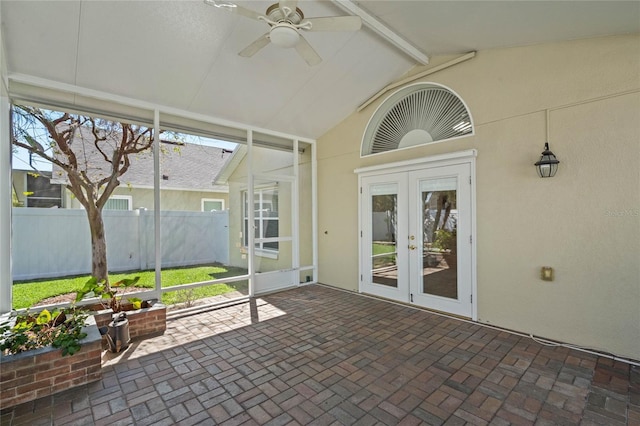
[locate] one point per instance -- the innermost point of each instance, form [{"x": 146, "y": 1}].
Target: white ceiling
[{"x": 183, "y": 54}]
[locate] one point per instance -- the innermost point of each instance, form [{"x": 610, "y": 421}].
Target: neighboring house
[{"x": 187, "y": 182}]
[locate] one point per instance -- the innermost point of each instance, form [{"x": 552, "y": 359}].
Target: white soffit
[
  {"x": 449, "y": 27},
  {"x": 32, "y": 47},
  {"x": 162, "y": 56}
]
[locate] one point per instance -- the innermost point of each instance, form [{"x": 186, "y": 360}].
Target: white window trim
[
  {"x": 267, "y": 253},
  {"x": 261, "y": 252},
  {"x": 204, "y": 200}
]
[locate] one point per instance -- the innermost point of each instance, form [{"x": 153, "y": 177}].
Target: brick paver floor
[{"x": 320, "y": 356}]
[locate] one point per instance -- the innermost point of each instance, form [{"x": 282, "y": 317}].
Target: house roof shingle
[{"x": 183, "y": 166}]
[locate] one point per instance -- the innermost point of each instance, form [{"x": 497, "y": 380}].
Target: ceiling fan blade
[
  {"x": 254, "y": 47},
  {"x": 234, "y": 8},
  {"x": 307, "y": 52},
  {"x": 334, "y": 23}
]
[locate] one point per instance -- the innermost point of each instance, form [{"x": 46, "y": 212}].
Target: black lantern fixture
[{"x": 548, "y": 164}]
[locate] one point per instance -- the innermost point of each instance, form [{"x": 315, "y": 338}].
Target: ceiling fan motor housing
[{"x": 275, "y": 14}]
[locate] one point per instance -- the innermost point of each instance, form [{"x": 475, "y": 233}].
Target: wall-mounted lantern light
[{"x": 548, "y": 164}]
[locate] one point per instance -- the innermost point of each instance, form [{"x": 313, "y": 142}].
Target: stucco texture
[
  {"x": 584, "y": 222},
  {"x": 170, "y": 200}
]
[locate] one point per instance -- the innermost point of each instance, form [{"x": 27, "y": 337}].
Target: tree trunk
[
  {"x": 447, "y": 213},
  {"x": 98, "y": 246},
  {"x": 440, "y": 203}
]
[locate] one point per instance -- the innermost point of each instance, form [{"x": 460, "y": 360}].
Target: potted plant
[
  {"x": 120, "y": 321},
  {"x": 108, "y": 295},
  {"x": 62, "y": 328},
  {"x": 447, "y": 242},
  {"x": 35, "y": 351}
]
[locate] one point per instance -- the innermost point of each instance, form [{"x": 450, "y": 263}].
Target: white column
[
  {"x": 156, "y": 200},
  {"x": 250, "y": 215},
  {"x": 5, "y": 205},
  {"x": 5, "y": 187},
  {"x": 314, "y": 209},
  {"x": 295, "y": 214}
]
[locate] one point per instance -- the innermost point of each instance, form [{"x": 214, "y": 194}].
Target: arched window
[{"x": 414, "y": 115}]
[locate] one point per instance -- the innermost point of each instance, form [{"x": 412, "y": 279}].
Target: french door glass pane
[
  {"x": 439, "y": 237},
  {"x": 384, "y": 208}
]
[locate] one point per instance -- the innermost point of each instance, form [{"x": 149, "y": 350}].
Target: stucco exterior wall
[
  {"x": 170, "y": 200},
  {"x": 584, "y": 222}
]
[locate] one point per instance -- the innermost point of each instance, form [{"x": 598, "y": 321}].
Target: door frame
[
  {"x": 454, "y": 158},
  {"x": 267, "y": 282}
]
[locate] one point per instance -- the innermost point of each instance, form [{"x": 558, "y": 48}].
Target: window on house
[
  {"x": 211, "y": 204},
  {"x": 41, "y": 192},
  {"x": 266, "y": 220},
  {"x": 417, "y": 114},
  {"x": 118, "y": 202}
]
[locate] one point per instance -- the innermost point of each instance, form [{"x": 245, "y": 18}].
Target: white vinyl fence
[
  {"x": 50, "y": 243},
  {"x": 383, "y": 227}
]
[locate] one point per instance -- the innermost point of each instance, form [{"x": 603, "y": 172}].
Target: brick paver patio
[{"x": 319, "y": 356}]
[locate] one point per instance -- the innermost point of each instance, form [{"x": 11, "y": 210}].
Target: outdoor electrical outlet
[{"x": 546, "y": 273}]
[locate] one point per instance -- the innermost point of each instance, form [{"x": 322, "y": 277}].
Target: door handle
[{"x": 412, "y": 247}]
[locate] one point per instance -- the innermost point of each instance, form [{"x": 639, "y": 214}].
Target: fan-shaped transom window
[{"x": 416, "y": 115}]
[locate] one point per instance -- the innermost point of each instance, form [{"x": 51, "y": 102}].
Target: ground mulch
[{"x": 70, "y": 297}]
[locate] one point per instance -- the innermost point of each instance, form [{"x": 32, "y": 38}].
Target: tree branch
[{"x": 97, "y": 139}]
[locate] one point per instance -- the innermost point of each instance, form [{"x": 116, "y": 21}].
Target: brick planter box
[
  {"x": 33, "y": 374},
  {"x": 143, "y": 322}
]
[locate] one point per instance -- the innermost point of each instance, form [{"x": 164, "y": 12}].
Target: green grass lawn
[
  {"x": 378, "y": 248},
  {"x": 28, "y": 293},
  {"x": 381, "y": 261}
]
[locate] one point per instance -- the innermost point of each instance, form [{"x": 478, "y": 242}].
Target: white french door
[
  {"x": 416, "y": 239},
  {"x": 384, "y": 255}
]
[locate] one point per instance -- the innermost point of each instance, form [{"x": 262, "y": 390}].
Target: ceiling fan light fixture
[{"x": 284, "y": 35}]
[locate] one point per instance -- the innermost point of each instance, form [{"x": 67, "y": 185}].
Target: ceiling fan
[{"x": 287, "y": 22}]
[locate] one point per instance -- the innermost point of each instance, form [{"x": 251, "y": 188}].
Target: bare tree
[{"x": 92, "y": 153}]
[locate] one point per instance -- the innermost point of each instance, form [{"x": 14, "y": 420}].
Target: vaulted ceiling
[{"x": 184, "y": 54}]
